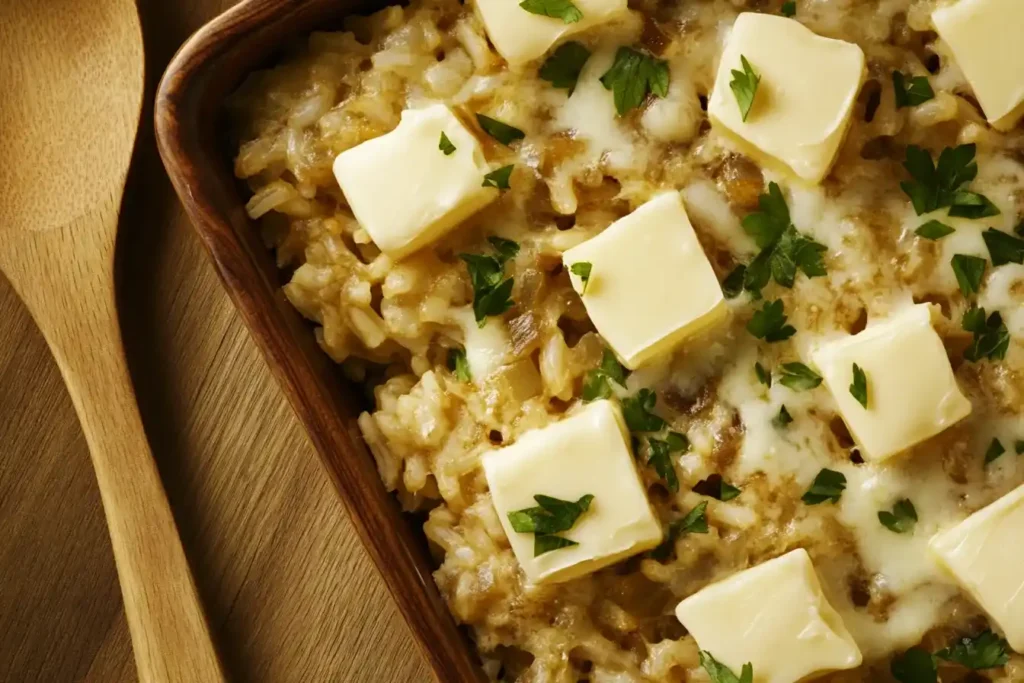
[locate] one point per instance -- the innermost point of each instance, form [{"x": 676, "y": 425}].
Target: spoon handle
[{"x": 74, "y": 307}]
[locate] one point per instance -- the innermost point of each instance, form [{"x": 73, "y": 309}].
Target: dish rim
[{"x": 189, "y": 98}]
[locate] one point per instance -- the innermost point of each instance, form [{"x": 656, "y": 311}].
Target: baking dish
[{"x": 189, "y": 101}]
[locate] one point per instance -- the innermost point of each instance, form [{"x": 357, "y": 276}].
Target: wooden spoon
[{"x": 71, "y": 74}]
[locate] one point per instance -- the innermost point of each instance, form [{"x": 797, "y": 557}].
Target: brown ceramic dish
[{"x": 188, "y": 106}]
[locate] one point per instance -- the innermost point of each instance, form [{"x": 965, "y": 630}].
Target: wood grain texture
[
  {"x": 204, "y": 72},
  {"x": 289, "y": 592}
]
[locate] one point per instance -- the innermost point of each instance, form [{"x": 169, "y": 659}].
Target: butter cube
[
  {"x": 985, "y": 37},
  {"x": 805, "y": 98},
  {"x": 404, "y": 190},
  {"x": 587, "y": 453},
  {"x": 521, "y": 36},
  {"x": 651, "y": 286},
  {"x": 912, "y": 394},
  {"x": 774, "y": 616},
  {"x": 982, "y": 553}
]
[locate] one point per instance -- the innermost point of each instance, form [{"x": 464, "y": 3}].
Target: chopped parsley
[
  {"x": 446, "y": 145},
  {"x": 562, "y": 69},
  {"x": 732, "y": 285},
  {"x": 937, "y": 186},
  {"x": 934, "y": 230},
  {"x": 902, "y": 518},
  {"x": 916, "y": 665},
  {"x": 597, "y": 382},
  {"x": 799, "y": 377},
  {"x": 859, "y": 387},
  {"x": 720, "y": 673},
  {"x": 911, "y": 90},
  {"x": 763, "y": 375},
  {"x": 660, "y": 457},
  {"x": 582, "y": 270},
  {"x": 828, "y": 486},
  {"x": 491, "y": 292},
  {"x": 784, "y": 250},
  {"x": 783, "y": 419},
  {"x": 716, "y": 487},
  {"x": 1003, "y": 247},
  {"x": 459, "y": 364},
  {"x": 788, "y": 9},
  {"x": 637, "y": 412},
  {"x": 558, "y": 9},
  {"x": 991, "y": 338},
  {"x": 994, "y": 450},
  {"x": 551, "y": 516},
  {"x": 695, "y": 522},
  {"x": 1018, "y": 447},
  {"x": 744, "y": 86},
  {"x": 502, "y": 132},
  {"x": 499, "y": 178},
  {"x": 969, "y": 271},
  {"x": 632, "y": 76},
  {"x": 985, "y": 651},
  {"x": 769, "y": 323}
]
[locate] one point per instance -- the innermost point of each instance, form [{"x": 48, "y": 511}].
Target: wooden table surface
[{"x": 289, "y": 591}]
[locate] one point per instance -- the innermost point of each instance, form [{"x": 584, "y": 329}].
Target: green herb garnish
[
  {"x": 632, "y": 76},
  {"x": 784, "y": 250},
  {"x": 827, "y": 486},
  {"x": 985, "y": 651},
  {"x": 551, "y": 516},
  {"x": 1003, "y": 247},
  {"x": 732, "y": 285},
  {"x": 938, "y": 186},
  {"x": 502, "y": 132},
  {"x": 911, "y": 90},
  {"x": 582, "y": 270},
  {"x": 799, "y": 377},
  {"x": 783, "y": 419},
  {"x": 716, "y": 487},
  {"x": 902, "y": 518},
  {"x": 788, "y": 9},
  {"x": 720, "y": 673},
  {"x": 491, "y": 293},
  {"x": 499, "y": 178},
  {"x": 991, "y": 338},
  {"x": 969, "y": 271},
  {"x": 459, "y": 364},
  {"x": 744, "y": 86},
  {"x": 445, "y": 145},
  {"x": 596, "y": 383},
  {"x": 558, "y": 9},
  {"x": 994, "y": 450},
  {"x": 660, "y": 457},
  {"x": 637, "y": 412},
  {"x": 859, "y": 387},
  {"x": 934, "y": 230},
  {"x": 916, "y": 665},
  {"x": 563, "y": 68},
  {"x": 763, "y": 375},
  {"x": 695, "y": 522},
  {"x": 769, "y": 323}
]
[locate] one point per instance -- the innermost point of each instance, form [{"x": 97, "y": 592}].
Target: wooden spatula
[{"x": 71, "y": 86}]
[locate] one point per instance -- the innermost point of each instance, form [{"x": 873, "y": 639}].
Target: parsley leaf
[
  {"x": 445, "y": 145},
  {"x": 783, "y": 249},
  {"x": 632, "y": 76},
  {"x": 991, "y": 338},
  {"x": 969, "y": 271},
  {"x": 827, "y": 486},
  {"x": 716, "y": 487},
  {"x": 502, "y": 132},
  {"x": 902, "y": 518},
  {"x": 695, "y": 522},
  {"x": 799, "y": 377},
  {"x": 637, "y": 412},
  {"x": 1003, "y": 247},
  {"x": 459, "y": 364},
  {"x": 788, "y": 9},
  {"x": 732, "y": 285},
  {"x": 1018, "y": 447},
  {"x": 916, "y": 665},
  {"x": 558, "y": 9},
  {"x": 934, "y": 230},
  {"x": 769, "y": 323},
  {"x": 596, "y": 384},
  {"x": 720, "y": 673},
  {"x": 911, "y": 90},
  {"x": 995, "y": 449},
  {"x": 783, "y": 419},
  {"x": 499, "y": 178},
  {"x": 660, "y": 457},
  {"x": 582, "y": 270},
  {"x": 551, "y": 516},
  {"x": 744, "y": 86},
  {"x": 985, "y": 651},
  {"x": 938, "y": 186},
  {"x": 562, "y": 69},
  {"x": 763, "y": 376},
  {"x": 491, "y": 294},
  {"x": 859, "y": 387}
]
